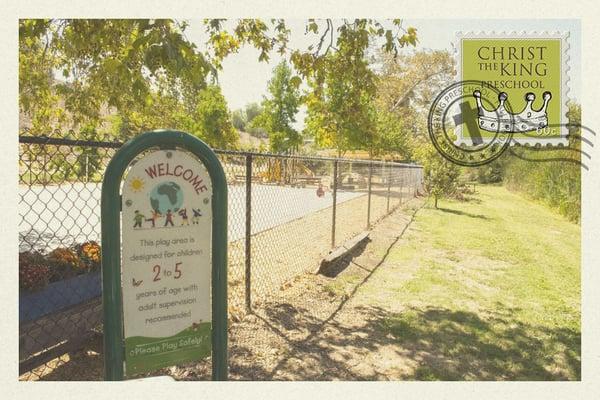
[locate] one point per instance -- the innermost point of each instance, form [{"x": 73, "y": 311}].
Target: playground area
[
  {"x": 299, "y": 209},
  {"x": 56, "y": 215}
]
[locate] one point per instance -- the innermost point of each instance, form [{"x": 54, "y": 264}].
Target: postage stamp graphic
[{"x": 529, "y": 71}]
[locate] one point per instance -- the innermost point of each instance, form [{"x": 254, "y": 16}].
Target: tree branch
[{"x": 413, "y": 87}]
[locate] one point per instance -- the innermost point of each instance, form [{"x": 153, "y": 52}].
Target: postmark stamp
[{"x": 451, "y": 111}]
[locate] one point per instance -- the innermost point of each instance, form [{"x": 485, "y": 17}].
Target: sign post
[{"x": 164, "y": 256}]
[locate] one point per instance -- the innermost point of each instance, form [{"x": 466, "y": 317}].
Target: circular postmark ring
[{"x": 485, "y": 151}]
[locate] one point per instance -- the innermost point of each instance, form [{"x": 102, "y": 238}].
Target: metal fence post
[
  {"x": 389, "y": 186},
  {"x": 403, "y": 172},
  {"x": 369, "y": 197},
  {"x": 412, "y": 182},
  {"x": 335, "y": 173},
  {"x": 45, "y": 169},
  {"x": 87, "y": 177},
  {"x": 248, "y": 233},
  {"x": 401, "y": 190}
]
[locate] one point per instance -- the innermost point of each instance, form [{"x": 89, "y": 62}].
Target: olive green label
[{"x": 525, "y": 77}]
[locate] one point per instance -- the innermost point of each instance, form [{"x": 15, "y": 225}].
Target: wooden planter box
[{"x": 59, "y": 295}]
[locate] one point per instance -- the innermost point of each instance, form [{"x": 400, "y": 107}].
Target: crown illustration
[{"x": 501, "y": 120}]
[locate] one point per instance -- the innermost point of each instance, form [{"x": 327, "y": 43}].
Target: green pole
[{"x": 111, "y": 246}]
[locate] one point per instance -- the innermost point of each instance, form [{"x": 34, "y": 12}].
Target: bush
[
  {"x": 440, "y": 176},
  {"x": 89, "y": 254},
  {"x": 556, "y": 183},
  {"x": 65, "y": 263},
  {"x": 33, "y": 274},
  {"x": 37, "y": 270}
]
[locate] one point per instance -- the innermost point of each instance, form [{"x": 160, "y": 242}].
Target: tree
[
  {"x": 440, "y": 176},
  {"x": 412, "y": 79},
  {"x": 552, "y": 175},
  {"x": 394, "y": 135},
  {"x": 405, "y": 89},
  {"x": 238, "y": 118},
  {"x": 75, "y": 73},
  {"x": 340, "y": 108},
  {"x": 406, "y": 85},
  {"x": 267, "y": 36},
  {"x": 338, "y": 44},
  {"x": 279, "y": 111},
  {"x": 106, "y": 66},
  {"x": 252, "y": 111},
  {"x": 211, "y": 121}
]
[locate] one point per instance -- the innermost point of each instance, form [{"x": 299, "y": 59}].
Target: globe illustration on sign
[{"x": 166, "y": 196}]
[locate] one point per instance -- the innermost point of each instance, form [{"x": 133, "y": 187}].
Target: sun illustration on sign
[{"x": 137, "y": 184}]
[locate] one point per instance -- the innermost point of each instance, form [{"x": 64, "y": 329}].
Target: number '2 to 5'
[{"x": 166, "y": 273}]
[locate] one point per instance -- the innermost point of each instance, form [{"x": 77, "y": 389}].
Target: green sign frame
[{"x": 114, "y": 346}]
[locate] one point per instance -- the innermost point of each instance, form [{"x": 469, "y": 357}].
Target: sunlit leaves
[
  {"x": 211, "y": 120},
  {"x": 77, "y": 68},
  {"x": 279, "y": 110}
]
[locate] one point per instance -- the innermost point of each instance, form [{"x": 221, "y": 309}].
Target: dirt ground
[
  {"x": 297, "y": 315},
  {"x": 283, "y": 252},
  {"x": 312, "y": 330}
]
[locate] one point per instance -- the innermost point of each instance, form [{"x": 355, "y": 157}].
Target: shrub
[
  {"x": 556, "y": 183},
  {"x": 33, "y": 274},
  {"x": 65, "y": 263},
  {"x": 440, "y": 176},
  {"x": 90, "y": 254}
]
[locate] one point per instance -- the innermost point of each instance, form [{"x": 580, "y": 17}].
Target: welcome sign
[
  {"x": 166, "y": 261},
  {"x": 164, "y": 255}
]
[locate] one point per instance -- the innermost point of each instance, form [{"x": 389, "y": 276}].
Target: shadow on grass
[
  {"x": 428, "y": 343},
  {"x": 446, "y": 345},
  {"x": 457, "y": 345},
  {"x": 463, "y": 213}
]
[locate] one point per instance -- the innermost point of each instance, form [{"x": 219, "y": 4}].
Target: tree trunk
[{"x": 435, "y": 199}]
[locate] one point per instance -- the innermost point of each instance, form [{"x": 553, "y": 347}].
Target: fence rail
[{"x": 285, "y": 214}]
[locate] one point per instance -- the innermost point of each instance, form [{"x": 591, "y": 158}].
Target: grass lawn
[{"x": 490, "y": 290}]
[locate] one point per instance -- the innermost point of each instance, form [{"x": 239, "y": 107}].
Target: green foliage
[
  {"x": 158, "y": 111},
  {"x": 488, "y": 173},
  {"x": 107, "y": 66},
  {"x": 279, "y": 111},
  {"x": 395, "y": 135},
  {"x": 556, "y": 183},
  {"x": 341, "y": 86},
  {"x": 130, "y": 75},
  {"x": 267, "y": 36},
  {"x": 238, "y": 119},
  {"x": 340, "y": 105},
  {"x": 406, "y": 85},
  {"x": 252, "y": 111},
  {"x": 440, "y": 176},
  {"x": 211, "y": 121}
]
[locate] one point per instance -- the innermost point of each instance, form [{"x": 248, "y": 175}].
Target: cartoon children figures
[
  {"x": 137, "y": 219},
  {"x": 154, "y": 217},
  {"x": 184, "y": 216},
  {"x": 196, "y": 217},
  {"x": 169, "y": 218}
]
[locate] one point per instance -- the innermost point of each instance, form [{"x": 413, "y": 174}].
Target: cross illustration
[{"x": 471, "y": 124}]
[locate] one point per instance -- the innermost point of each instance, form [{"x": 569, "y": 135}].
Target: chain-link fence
[{"x": 285, "y": 214}]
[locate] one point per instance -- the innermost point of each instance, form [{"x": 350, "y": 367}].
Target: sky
[{"x": 244, "y": 79}]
